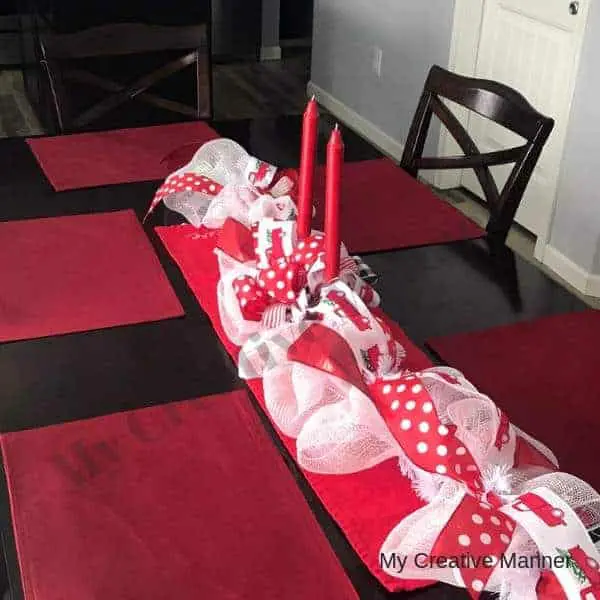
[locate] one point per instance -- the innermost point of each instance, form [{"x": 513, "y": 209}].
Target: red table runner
[
  {"x": 366, "y": 505},
  {"x": 184, "y": 501}
]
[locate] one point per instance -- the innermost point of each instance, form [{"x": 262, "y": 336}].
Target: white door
[{"x": 532, "y": 46}]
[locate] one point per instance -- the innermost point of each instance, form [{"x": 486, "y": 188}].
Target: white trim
[
  {"x": 546, "y": 234},
  {"x": 464, "y": 49},
  {"x": 583, "y": 281},
  {"x": 593, "y": 286},
  {"x": 540, "y": 249},
  {"x": 365, "y": 128},
  {"x": 270, "y": 53}
]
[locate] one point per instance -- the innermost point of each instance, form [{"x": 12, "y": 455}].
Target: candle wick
[
  {"x": 337, "y": 127},
  {"x": 313, "y": 98}
]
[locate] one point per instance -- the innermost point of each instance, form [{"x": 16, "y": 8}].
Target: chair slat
[
  {"x": 122, "y": 39},
  {"x": 496, "y": 102},
  {"x": 488, "y": 159},
  {"x": 191, "y": 42}
]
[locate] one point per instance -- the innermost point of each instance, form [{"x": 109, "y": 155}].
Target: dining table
[{"x": 429, "y": 291}]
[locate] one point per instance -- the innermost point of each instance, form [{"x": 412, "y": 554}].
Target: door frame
[{"x": 464, "y": 50}]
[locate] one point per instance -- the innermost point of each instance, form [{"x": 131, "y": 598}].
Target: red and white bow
[
  {"x": 269, "y": 277},
  {"x": 222, "y": 180}
]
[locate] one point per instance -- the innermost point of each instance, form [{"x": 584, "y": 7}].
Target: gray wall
[
  {"x": 413, "y": 35},
  {"x": 576, "y": 226}
]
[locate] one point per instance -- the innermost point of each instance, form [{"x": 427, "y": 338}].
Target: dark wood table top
[{"x": 429, "y": 291}]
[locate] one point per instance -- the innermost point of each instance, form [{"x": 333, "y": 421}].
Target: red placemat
[
  {"x": 365, "y": 505},
  {"x": 551, "y": 391},
  {"x": 384, "y": 208},
  {"x": 189, "y": 500},
  {"x": 85, "y": 160},
  {"x": 67, "y": 274}
]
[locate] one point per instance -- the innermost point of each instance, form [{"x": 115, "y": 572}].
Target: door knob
[{"x": 574, "y": 8}]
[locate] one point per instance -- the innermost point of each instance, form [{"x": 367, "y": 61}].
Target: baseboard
[
  {"x": 270, "y": 53},
  {"x": 582, "y": 280},
  {"x": 367, "y": 129},
  {"x": 593, "y": 286}
]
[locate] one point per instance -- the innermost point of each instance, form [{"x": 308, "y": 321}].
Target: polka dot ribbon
[
  {"x": 481, "y": 532},
  {"x": 285, "y": 270},
  {"x": 284, "y": 277},
  {"x": 431, "y": 445},
  {"x": 483, "y": 524},
  {"x": 476, "y": 528},
  {"x": 184, "y": 182}
]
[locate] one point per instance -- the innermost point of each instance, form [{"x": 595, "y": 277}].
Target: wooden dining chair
[
  {"x": 496, "y": 102},
  {"x": 190, "y": 42}
]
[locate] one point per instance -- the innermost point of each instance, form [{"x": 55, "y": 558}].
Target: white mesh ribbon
[
  {"x": 246, "y": 206},
  {"x": 222, "y": 180}
]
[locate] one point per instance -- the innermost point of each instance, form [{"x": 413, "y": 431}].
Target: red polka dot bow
[
  {"x": 282, "y": 273},
  {"x": 471, "y": 464},
  {"x": 287, "y": 271},
  {"x": 428, "y": 442}
]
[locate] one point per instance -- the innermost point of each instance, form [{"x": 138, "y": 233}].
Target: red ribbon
[{"x": 411, "y": 416}]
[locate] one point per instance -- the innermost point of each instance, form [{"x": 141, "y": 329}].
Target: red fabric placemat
[
  {"x": 551, "y": 391},
  {"x": 384, "y": 208},
  {"x": 77, "y": 273},
  {"x": 365, "y": 505},
  {"x": 185, "y": 501},
  {"x": 85, "y": 160}
]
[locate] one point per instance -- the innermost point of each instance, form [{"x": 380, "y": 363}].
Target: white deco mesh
[
  {"x": 346, "y": 436},
  {"x": 232, "y": 201},
  {"x": 267, "y": 350},
  {"x": 578, "y": 494},
  {"x": 418, "y": 532},
  {"x": 190, "y": 204},
  {"x": 476, "y": 417},
  {"x": 293, "y": 393},
  {"x": 474, "y": 414},
  {"x": 237, "y": 329},
  {"x": 225, "y": 162},
  {"x": 221, "y": 160}
]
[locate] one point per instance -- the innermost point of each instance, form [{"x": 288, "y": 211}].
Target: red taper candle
[
  {"x": 307, "y": 168},
  {"x": 335, "y": 158}
]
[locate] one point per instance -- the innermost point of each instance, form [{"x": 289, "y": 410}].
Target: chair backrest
[
  {"x": 496, "y": 102},
  {"x": 122, "y": 38},
  {"x": 189, "y": 42}
]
